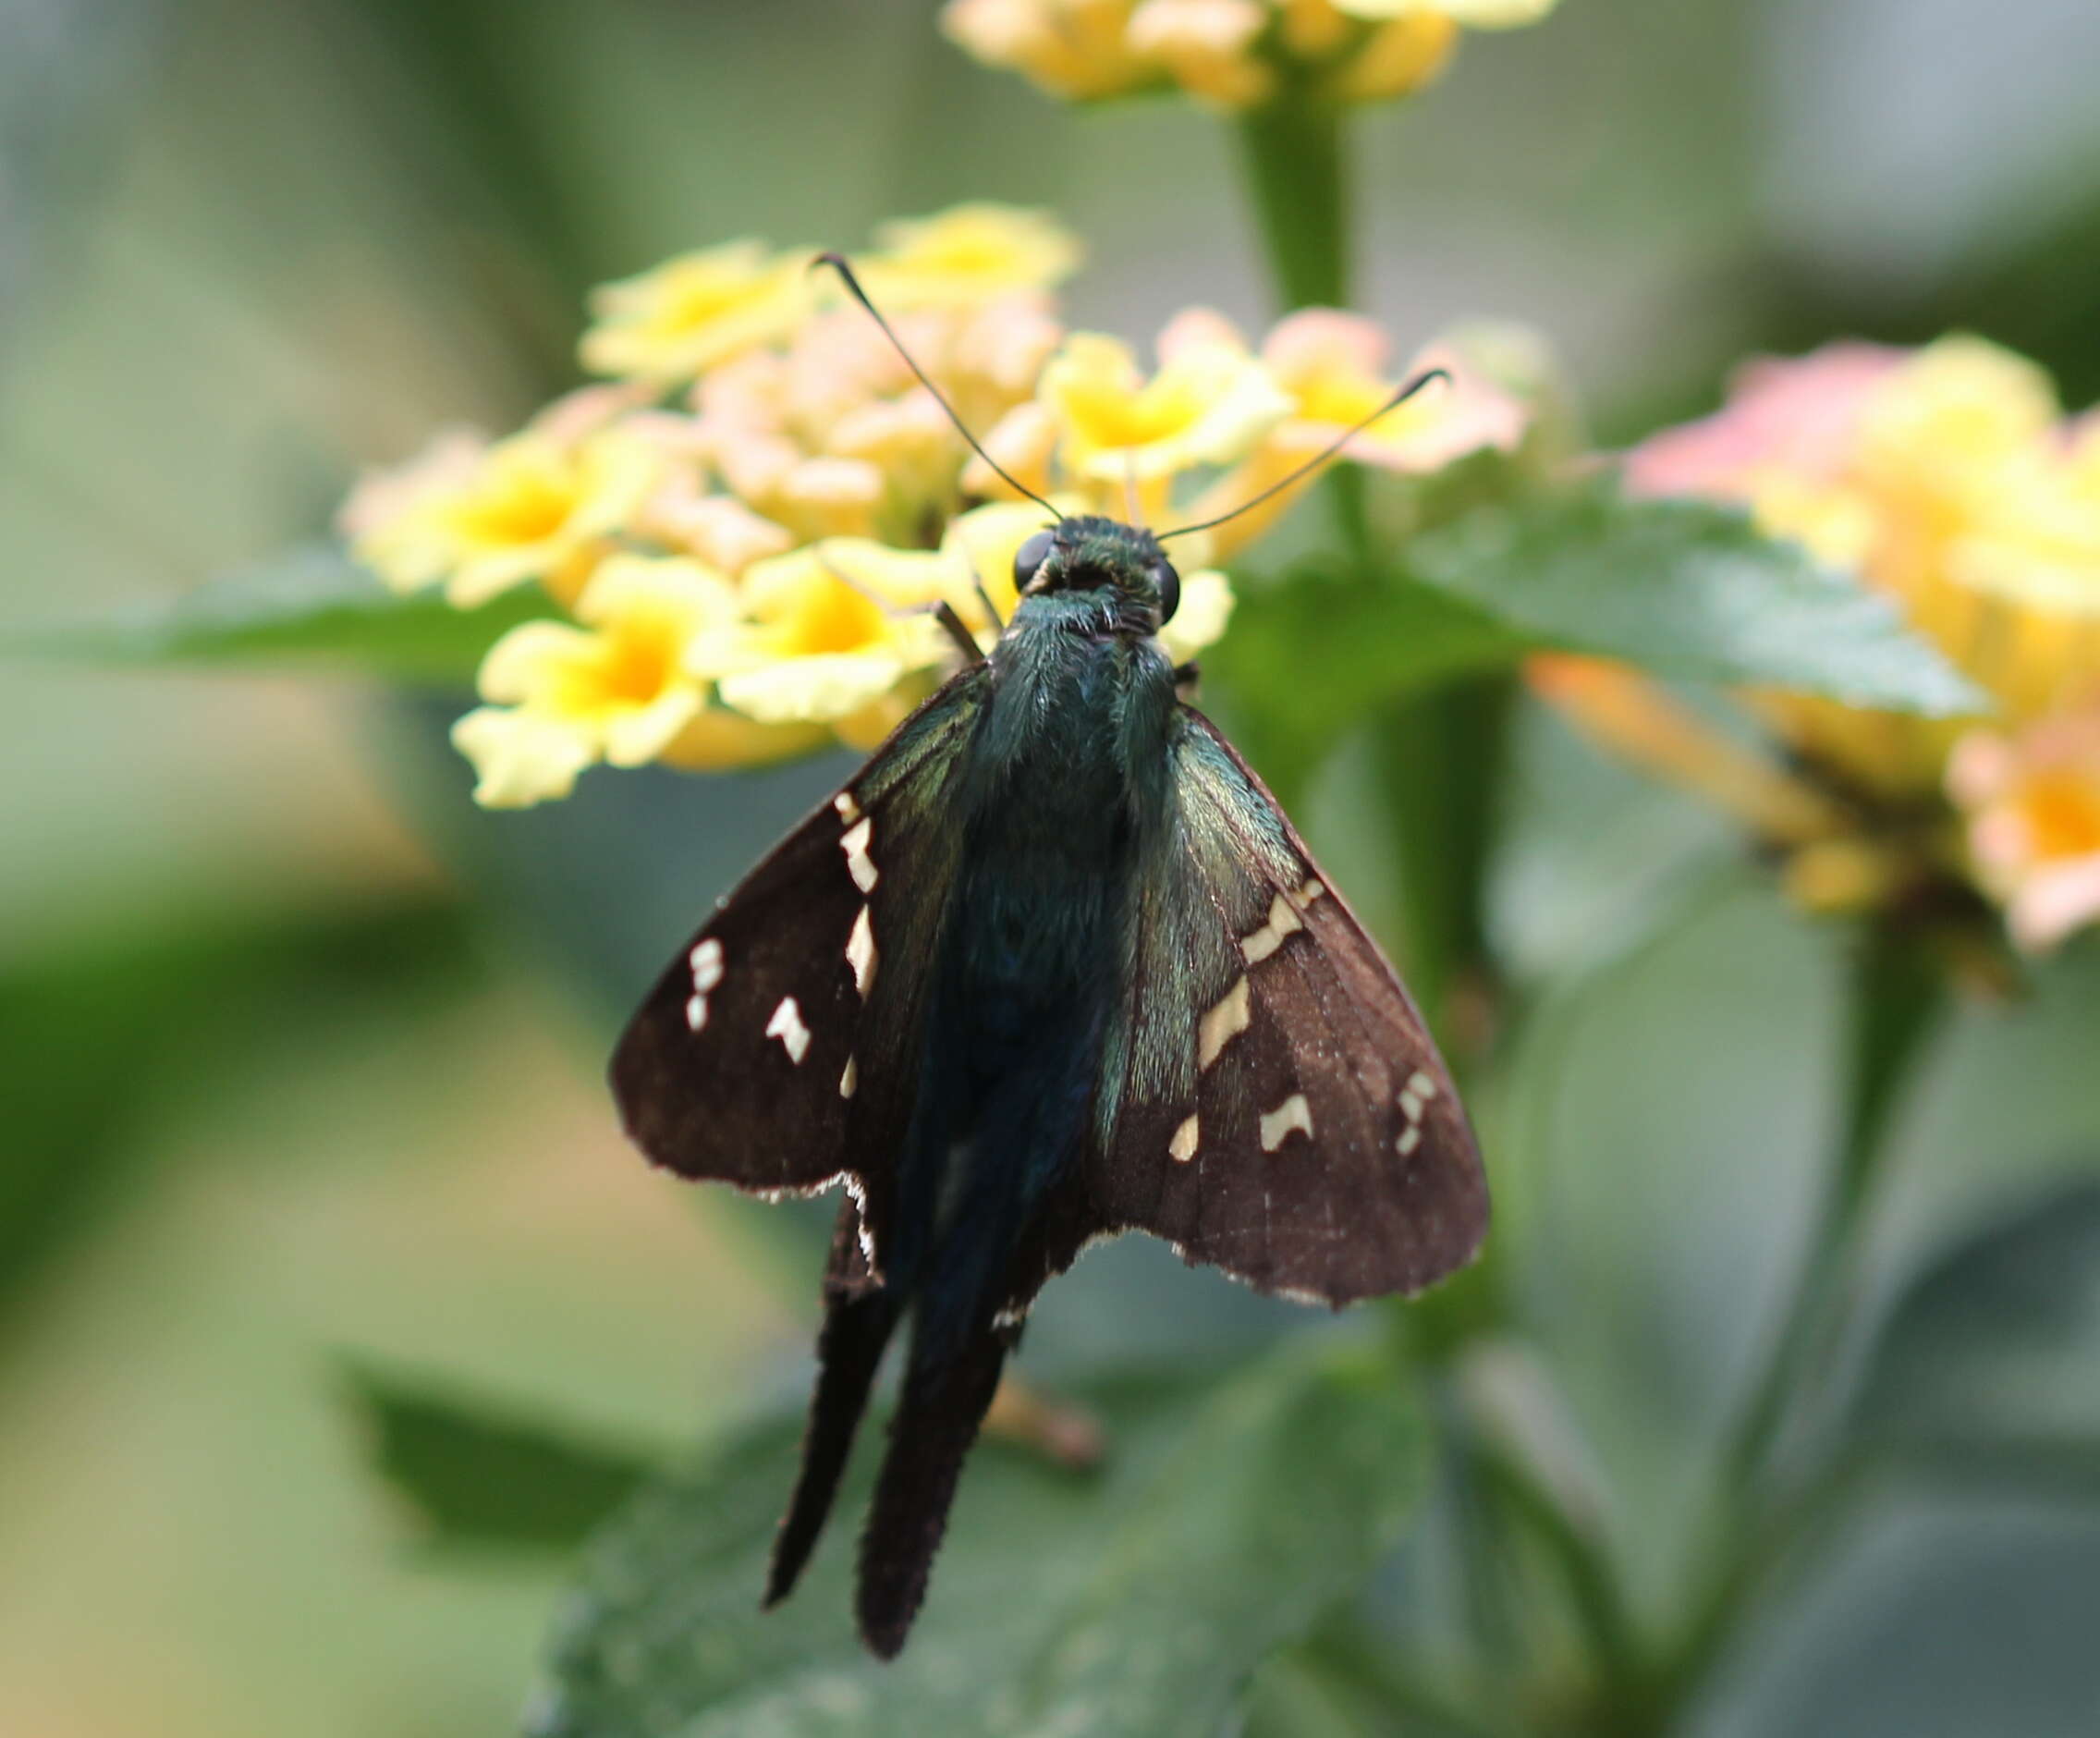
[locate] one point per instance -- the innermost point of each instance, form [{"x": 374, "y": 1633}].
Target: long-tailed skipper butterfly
[{"x": 1052, "y": 966}]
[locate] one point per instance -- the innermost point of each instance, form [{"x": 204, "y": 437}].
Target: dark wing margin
[
  {"x": 1271, "y": 1102},
  {"x": 779, "y": 1049}
]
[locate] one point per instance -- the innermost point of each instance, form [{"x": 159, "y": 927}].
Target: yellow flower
[
  {"x": 1208, "y": 404},
  {"x": 2033, "y": 806},
  {"x": 1475, "y": 15},
  {"x": 388, "y": 519},
  {"x": 832, "y": 434},
  {"x": 968, "y": 253},
  {"x": 614, "y": 688},
  {"x": 1074, "y": 48},
  {"x": 717, "y": 529},
  {"x": 529, "y": 508},
  {"x": 1232, "y": 54},
  {"x": 1331, "y": 366},
  {"x": 669, "y": 324},
  {"x": 829, "y": 634},
  {"x": 1024, "y": 444},
  {"x": 1206, "y": 46},
  {"x": 1942, "y": 477},
  {"x": 1398, "y": 58}
]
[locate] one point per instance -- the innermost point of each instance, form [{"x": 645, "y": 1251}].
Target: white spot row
[
  {"x": 1414, "y": 1099},
  {"x": 1182, "y": 1147},
  {"x": 787, "y": 1025},
  {"x": 860, "y": 952},
  {"x": 1283, "y": 922},
  {"x": 706, "y": 961},
  {"x": 859, "y": 864},
  {"x": 1293, "y": 1114},
  {"x": 1222, "y": 1024}
]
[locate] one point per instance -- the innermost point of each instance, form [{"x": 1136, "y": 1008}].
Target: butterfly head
[{"x": 1107, "y": 562}]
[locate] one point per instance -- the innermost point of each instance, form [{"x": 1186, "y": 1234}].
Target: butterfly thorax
[{"x": 1062, "y": 780}]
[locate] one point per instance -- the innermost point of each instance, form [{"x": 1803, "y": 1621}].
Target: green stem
[
  {"x": 1896, "y": 999},
  {"x": 1439, "y": 755},
  {"x": 1440, "y": 759},
  {"x": 1292, "y": 149},
  {"x": 1367, "y": 1664},
  {"x": 1754, "y": 1572},
  {"x": 1578, "y": 1560}
]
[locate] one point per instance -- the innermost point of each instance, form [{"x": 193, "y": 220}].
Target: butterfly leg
[
  {"x": 943, "y": 612},
  {"x": 984, "y": 596}
]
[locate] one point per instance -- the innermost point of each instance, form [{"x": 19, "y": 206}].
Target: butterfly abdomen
[{"x": 1026, "y": 987}]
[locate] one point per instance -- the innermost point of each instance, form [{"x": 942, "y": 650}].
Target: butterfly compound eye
[
  {"x": 1029, "y": 559},
  {"x": 1169, "y": 583}
]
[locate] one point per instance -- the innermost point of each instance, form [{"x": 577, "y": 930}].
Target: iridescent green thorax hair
[{"x": 1088, "y": 553}]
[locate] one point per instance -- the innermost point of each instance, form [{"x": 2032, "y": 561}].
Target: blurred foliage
[
  {"x": 1682, "y": 590},
  {"x": 100, "y": 1041},
  {"x": 311, "y": 606},
  {"x": 1131, "y": 1603},
  {"x": 473, "y": 1477},
  {"x": 1986, "y": 1366}
]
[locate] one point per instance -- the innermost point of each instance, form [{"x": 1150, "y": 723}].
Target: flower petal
[
  {"x": 520, "y": 759},
  {"x": 821, "y": 688},
  {"x": 1206, "y": 608}
]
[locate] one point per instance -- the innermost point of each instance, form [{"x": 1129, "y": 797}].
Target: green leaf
[
  {"x": 1311, "y": 655},
  {"x": 311, "y": 604},
  {"x": 475, "y": 1476},
  {"x": 103, "y": 1035},
  {"x": 1137, "y": 1602},
  {"x": 1688, "y": 591},
  {"x": 1989, "y": 1362}
]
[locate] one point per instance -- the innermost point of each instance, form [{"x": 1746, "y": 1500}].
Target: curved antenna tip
[
  {"x": 838, "y": 262},
  {"x": 1428, "y": 376}
]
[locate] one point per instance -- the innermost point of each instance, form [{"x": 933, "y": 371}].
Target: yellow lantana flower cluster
[
  {"x": 1948, "y": 479},
  {"x": 1232, "y": 55},
  {"x": 746, "y": 531}
]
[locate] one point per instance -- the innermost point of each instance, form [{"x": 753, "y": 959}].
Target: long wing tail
[
  {"x": 945, "y": 1399},
  {"x": 857, "y": 1321}
]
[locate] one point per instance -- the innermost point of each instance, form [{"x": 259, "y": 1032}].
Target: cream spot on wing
[
  {"x": 787, "y": 1025},
  {"x": 849, "y": 1081},
  {"x": 858, "y": 865},
  {"x": 1411, "y": 1106},
  {"x": 1420, "y": 1085},
  {"x": 1410, "y": 1138},
  {"x": 849, "y": 810},
  {"x": 1222, "y": 1024},
  {"x": 706, "y": 965},
  {"x": 1283, "y": 920},
  {"x": 860, "y": 951},
  {"x": 1278, "y": 1124},
  {"x": 1311, "y": 892},
  {"x": 706, "y": 962},
  {"x": 1183, "y": 1145}
]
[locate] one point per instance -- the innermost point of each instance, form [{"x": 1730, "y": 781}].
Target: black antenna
[
  {"x": 1319, "y": 458},
  {"x": 837, "y": 263}
]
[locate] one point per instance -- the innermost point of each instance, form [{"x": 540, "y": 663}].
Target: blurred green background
[{"x": 301, "y": 1054}]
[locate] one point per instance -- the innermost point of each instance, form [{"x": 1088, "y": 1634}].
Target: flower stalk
[
  {"x": 1896, "y": 996},
  {"x": 1439, "y": 755}
]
